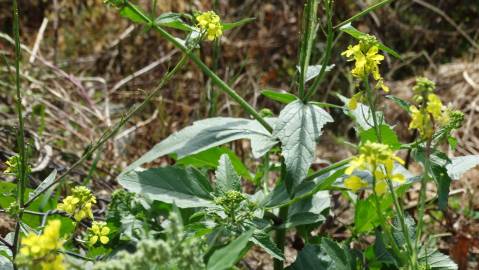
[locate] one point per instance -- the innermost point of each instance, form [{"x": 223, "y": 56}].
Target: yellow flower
[
  {"x": 41, "y": 251},
  {"x": 434, "y": 106},
  {"x": 366, "y": 59},
  {"x": 355, "y": 99},
  {"x": 78, "y": 204},
  {"x": 355, "y": 183},
  {"x": 366, "y": 62},
  {"x": 379, "y": 160},
  {"x": 210, "y": 24},
  {"x": 99, "y": 231}
]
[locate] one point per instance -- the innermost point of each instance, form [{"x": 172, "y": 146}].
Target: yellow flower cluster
[
  {"x": 378, "y": 159},
  {"x": 99, "y": 231},
  {"x": 431, "y": 113},
  {"x": 79, "y": 203},
  {"x": 366, "y": 59},
  {"x": 40, "y": 252},
  {"x": 210, "y": 24},
  {"x": 424, "y": 119}
]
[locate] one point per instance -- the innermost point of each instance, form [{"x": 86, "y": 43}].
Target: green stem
[
  {"x": 364, "y": 12},
  {"x": 110, "y": 133},
  {"x": 422, "y": 196},
  {"x": 280, "y": 237},
  {"x": 327, "y": 55},
  {"x": 397, "y": 203},
  {"x": 309, "y": 35},
  {"x": 372, "y": 107},
  {"x": 219, "y": 82},
  {"x": 382, "y": 220},
  {"x": 22, "y": 173}
]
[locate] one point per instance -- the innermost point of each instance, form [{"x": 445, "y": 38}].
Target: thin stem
[
  {"x": 364, "y": 12},
  {"x": 21, "y": 131},
  {"x": 372, "y": 107},
  {"x": 327, "y": 55},
  {"x": 219, "y": 82},
  {"x": 110, "y": 133},
  {"x": 422, "y": 196},
  {"x": 309, "y": 35},
  {"x": 397, "y": 204},
  {"x": 280, "y": 237},
  {"x": 382, "y": 219}
]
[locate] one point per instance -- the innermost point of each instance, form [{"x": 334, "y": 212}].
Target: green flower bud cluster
[{"x": 237, "y": 208}]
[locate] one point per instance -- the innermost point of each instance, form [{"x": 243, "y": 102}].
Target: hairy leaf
[
  {"x": 263, "y": 240},
  {"x": 298, "y": 127},
  {"x": 460, "y": 165},
  {"x": 208, "y": 133},
  {"x": 186, "y": 188},
  {"x": 312, "y": 257},
  {"x": 226, "y": 176}
]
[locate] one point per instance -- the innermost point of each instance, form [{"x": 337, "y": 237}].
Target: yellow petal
[
  {"x": 93, "y": 240},
  {"x": 104, "y": 240}
]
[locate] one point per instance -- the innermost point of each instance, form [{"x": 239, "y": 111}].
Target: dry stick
[
  {"x": 449, "y": 20},
  {"x": 111, "y": 132}
]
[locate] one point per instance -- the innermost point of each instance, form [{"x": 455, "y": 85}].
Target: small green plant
[{"x": 183, "y": 217}]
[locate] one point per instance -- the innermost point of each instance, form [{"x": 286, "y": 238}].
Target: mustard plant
[{"x": 182, "y": 216}]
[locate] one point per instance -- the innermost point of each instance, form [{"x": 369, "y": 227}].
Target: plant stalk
[
  {"x": 111, "y": 132},
  {"x": 280, "y": 237},
  {"x": 22, "y": 168},
  {"x": 217, "y": 80}
]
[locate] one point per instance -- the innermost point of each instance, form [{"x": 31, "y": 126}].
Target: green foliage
[{"x": 299, "y": 126}]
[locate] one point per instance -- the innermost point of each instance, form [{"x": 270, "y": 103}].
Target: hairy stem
[
  {"x": 22, "y": 168},
  {"x": 280, "y": 236}
]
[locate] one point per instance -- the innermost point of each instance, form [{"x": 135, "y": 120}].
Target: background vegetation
[{"x": 83, "y": 66}]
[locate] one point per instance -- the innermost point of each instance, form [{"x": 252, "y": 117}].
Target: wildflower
[
  {"x": 355, "y": 183},
  {"x": 99, "y": 231},
  {"x": 379, "y": 160},
  {"x": 367, "y": 60},
  {"x": 41, "y": 251},
  {"x": 210, "y": 23},
  {"x": 78, "y": 204},
  {"x": 355, "y": 99}
]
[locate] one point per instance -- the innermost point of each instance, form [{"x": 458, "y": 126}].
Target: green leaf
[
  {"x": 355, "y": 33},
  {"x": 173, "y": 20},
  {"x": 437, "y": 261},
  {"x": 232, "y": 25},
  {"x": 280, "y": 196},
  {"x": 263, "y": 240},
  {"x": 228, "y": 256},
  {"x": 404, "y": 104},
  {"x": 309, "y": 210},
  {"x": 444, "y": 182},
  {"x": 460, "y": 165},
  {"x": 339, "y": 254},
  {"x": 208, "y": 133},
  {"x": 185, "y": 187},
  {"x": 44, "y": 185},
  {"x": 129, "y": 13},
  {"x": 226, "y": 176},
  {"x": 388, "y": 136},
  {"x": 312, "y": 257},
  {"x": 365, "y": 216},
  {"x": 282, "y": 97},
  {"x": 298, "y": 127},
  {"x": 210, "y": 159}
]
